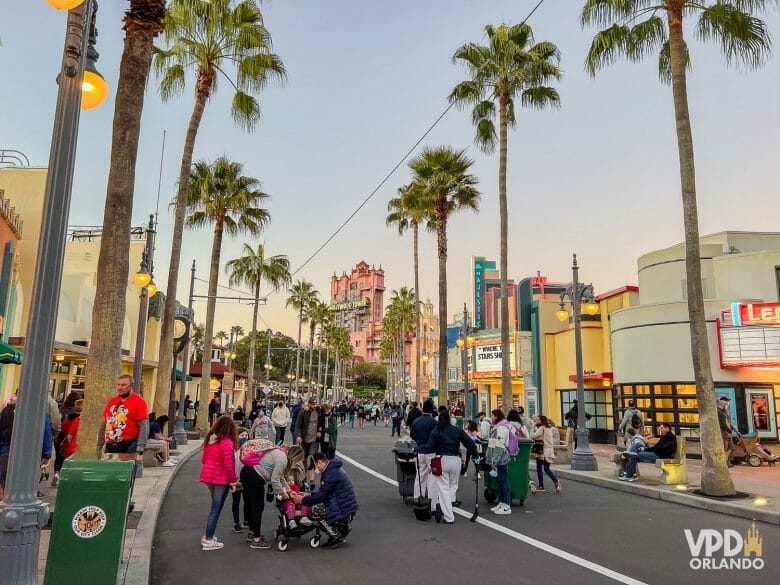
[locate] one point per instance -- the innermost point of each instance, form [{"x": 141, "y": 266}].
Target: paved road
[{"x": 587, "y": 535}]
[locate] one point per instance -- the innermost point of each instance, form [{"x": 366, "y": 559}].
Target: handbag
[
  {"x": 436, "y": 465},
  {"x": 537, "y": 448}
]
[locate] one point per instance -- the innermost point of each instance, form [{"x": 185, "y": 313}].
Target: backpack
[
  {"x": 514, "y": 446},
  {"x": 254, "y": 450},
  {"x": 636, "y": 420}
]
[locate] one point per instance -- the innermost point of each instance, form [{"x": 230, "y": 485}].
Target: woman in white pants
[{"x": 445, "y": 442}]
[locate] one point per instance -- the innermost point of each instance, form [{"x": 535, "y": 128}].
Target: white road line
[{"x": 572, "y": 558}]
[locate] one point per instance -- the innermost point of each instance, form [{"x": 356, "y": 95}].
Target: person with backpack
[
  {"x": 501, "y": 445},
  {"x": 261, "y": 426},
  {"x": 544, "y": 451},
  {"x": 632, "y": 418}
]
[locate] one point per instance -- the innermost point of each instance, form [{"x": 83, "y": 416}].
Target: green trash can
[
  {"x": 90, "y": 515},
  {"x": 459, "y": 422},
  {"x": 517, "y": 470}
]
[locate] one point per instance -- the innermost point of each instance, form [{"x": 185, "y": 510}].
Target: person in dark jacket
[
  {"x": 309, "y": 431},
  {"x": 414, "y": 413},
  {"x": 663, "y": 449},
  {"x": 420, "y": 430},
  {"x": 445, "y": 441},
  {"x": 334, "y": 504}
]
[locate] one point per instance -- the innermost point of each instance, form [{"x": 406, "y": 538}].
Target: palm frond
[
  {"x": 665, "y": 64},
  {"x": 245, "y": 110},
  {"x": 744, "y": 39}
]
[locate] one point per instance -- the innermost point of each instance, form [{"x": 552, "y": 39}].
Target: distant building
[{"x": 357, "y": 303}]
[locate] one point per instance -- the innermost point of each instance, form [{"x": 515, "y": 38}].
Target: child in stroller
[
  {"x": 748, "y": 448},
  {"x": 293, "y": 519}
]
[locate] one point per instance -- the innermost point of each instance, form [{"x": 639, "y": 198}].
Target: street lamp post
[
  {"x": 145, "y": 280},
  {"x": 22, "y": 514},
  {"x": 465, "y": 342},
  {"x": 583, "y": 458},
  {"x": 268, "y": 364},
  {"x": 290, "y": 378}
]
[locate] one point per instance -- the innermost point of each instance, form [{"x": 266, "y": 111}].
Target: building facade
[
  {"x": 651, "y": 341},
  {"x": 357, "y": 303}
]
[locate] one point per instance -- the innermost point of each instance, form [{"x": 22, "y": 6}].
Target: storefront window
[
  {"x": 686, "y": 388},
  {"x": 683, "y": 403},
  {"x": 663, "y": 388}
]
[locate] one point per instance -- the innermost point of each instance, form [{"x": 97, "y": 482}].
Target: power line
[{"x": 386, "y": 177}]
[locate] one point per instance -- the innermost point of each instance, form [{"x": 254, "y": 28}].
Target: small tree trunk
[
  {"x": 211, "y": 306},
  {"x": 250, "y": 369},
  {"x": 311, "y": 350},
  {"x": 715, "y": 478},
  {"x": 441, "y": 243},
  {"x": 108, "y": 311},
  {"x": 506, "y": 367},
  {"x": 417, "y": 339},
  {"x": 165, "y": 359}
]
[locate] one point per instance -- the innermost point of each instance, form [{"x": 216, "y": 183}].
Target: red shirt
[
  {"x": 70, "y": 426},
  {"x": 122, "y": 417}
]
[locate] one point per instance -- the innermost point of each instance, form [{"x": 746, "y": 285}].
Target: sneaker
[
  {"x": 626, "y": 478},
  {"x": 168, "y": 463},
  {"x": 496, "y": 507},
  {"x": 259, "y": 543},
  {"x": 172, "y": 459},
  {"x": 634, "y": 478},
  {"x": 55, "y": 480},
  {"x": 558, "y": 487},
  {"x": 540, "y": 489},
  {"x": 532, "y": 487},
  {"x": 237, "y": 528},
  {"x": 305, "y": 521},
  {"x": 212, "y": 544},
  {"x": 479, "y": 476},
  {"x": 292, "y": 524},
  {"x": 203, "y": 539},
  {"x": 333, "y": 543},
  {"x": 503, "y": 509}
]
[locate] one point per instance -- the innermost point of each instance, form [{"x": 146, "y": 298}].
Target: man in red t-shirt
[{"x": 126, "y": 420}]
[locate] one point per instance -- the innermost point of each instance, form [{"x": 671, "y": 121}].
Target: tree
[
  {"x": 212, "y": 38},
  {"x": 220, "y": 195},
  {"x": 236, "y": 331},
  {"x": 302, "y": 294},
  {"x": 409, "y": 210},
  {"x": 317, "y": 313},
  {"x": 635, "y": 29},
  {"x": 143, "y": 22},
  {"x": 397, "y": 324},
  {"x": 512, "y": 64},
  {"x": 252, "y": 269},
  {"x": 196, "y": 342},
  {"x": 448, "y": 187},
  {"x": 220, "y": 336}
]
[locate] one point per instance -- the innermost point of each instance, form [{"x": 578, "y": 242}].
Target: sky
[{"x": 598, "y": 177}]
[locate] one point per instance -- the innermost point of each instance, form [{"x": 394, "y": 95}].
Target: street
[{"x": 586, "y": 535}]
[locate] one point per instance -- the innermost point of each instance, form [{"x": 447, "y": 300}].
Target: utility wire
[{"x": 386, "y": 177}]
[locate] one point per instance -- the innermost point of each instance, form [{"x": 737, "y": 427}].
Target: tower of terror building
[{"x": 357, "y": 303}]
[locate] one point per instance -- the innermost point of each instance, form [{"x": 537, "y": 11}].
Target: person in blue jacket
[{"x": 334, "y": 504}]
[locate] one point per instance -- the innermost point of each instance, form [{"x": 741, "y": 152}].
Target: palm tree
[
  {"x": 443, "y": 174},
  {"x": 220, "y": 336},
  {"x": 196, "y": 342},
  {"x": 220, "y": 195},
  {"x": 397, "y": 324},
  {"x": 237, "y": 331},
  {"x": 512, "y": 64},
  {"x": 143, "y": 22},
  {"x": 252, "y": 269},
  {"x": 302, "y": 294},
  {"x": 317, "y": 313},
  {"x": 634, "y": 29},
  {"x": 409, "y": 210},
  {"x": 212, "y": 39}
]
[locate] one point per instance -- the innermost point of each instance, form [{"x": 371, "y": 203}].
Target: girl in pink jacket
[{"x": 218, "y": 473}]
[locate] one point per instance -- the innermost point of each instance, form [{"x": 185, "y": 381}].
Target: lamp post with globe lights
[
  {"x": 144, "y": 279},
  {"x": 580, "y": 296}
]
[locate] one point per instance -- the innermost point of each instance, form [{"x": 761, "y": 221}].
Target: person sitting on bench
[{"x": 663, "y": 449}]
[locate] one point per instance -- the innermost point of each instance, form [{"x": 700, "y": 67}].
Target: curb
[
  {"x": 682, "y": 498},
  {"x": 137, "y": 569}
]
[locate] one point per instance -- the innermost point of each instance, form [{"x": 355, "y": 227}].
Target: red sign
[{"x": 759, "y": 313}]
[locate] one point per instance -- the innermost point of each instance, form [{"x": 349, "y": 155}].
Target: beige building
[
  {"x": 651, "y": 353},
  {"x": 25, "y": 186}
]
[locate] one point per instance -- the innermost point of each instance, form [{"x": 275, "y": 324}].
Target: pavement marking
[{"x": 572, "y": 558}]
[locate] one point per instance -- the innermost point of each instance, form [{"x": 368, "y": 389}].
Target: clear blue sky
[{"x": 598, "y": 177}]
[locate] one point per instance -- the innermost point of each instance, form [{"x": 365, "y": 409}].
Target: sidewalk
[
  {"x": 761, "y": 481},
  {"x": 148, "y": 493}
]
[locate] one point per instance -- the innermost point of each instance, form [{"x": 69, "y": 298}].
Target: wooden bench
[
  {"x": 565, "y": 448},
  {"x": 674, "y": 471},
  {"x": 150, "y": 452}
]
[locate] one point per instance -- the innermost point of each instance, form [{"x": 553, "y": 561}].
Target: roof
[
  {"x": 616, "y": 291},
  {"x": 218, "y": 370}
]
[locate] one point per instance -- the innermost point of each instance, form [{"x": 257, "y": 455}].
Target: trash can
[
  {"x": 406, "y": 467},
  {"x": 90, "y": 515},
  {"x": 517, "y": 470}
]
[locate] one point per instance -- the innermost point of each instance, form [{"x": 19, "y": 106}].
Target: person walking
[
  {"x": 280, "y": 418},
  {"x": 445, "y": 441},
  {"x": 632, "y": 418},
  {"x": 726, "y": 427},
  {"x": 261, "y": 426},
  {"x": 218, "y": 472},
  {"x": 351, "y": 410},
  {"x": 498, "y": 458},
  {"x": 309, "y": 430},
  {"x": 544, "y": 452},
  {"x": 125, "y": 427},
  {"x": 420, "y": 432},
  {"x": 331, "y": 431},
  {"x": 397, "y": 417}
]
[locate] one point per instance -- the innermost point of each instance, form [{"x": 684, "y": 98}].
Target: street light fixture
[
  {"x": 64, "y": 4},
  {"x": 143, "y": 278},
  {"x": 578, "y": 294},
  {"x": 151, "y": 290}
]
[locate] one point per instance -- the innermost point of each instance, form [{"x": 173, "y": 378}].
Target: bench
[
  {"x": 150, "y": 452},
  {"x": 674, "y": 471},
  {"x": 565, "y": 448}
]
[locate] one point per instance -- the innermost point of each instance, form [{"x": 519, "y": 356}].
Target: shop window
[
  {"x": 663, "y": 389},
  {"x": 664, "y": 403},
  {"x": 667, "y": 417},
  {"x": 685, "y": 388},
  {"x": 686, "y": 403}
]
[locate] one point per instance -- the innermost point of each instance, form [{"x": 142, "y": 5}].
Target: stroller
[
  {"x": 748, "y": 448},
  {"x": 283, "y": 532}
]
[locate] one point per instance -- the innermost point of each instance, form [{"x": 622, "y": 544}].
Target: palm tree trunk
[
  {"x": 715, "y": 478},
  {"x": 320, "y": 387},
  {"x": 506, "y": 377},
  {"x": 327, "y": 363},
  {"x": 441, "y": 242},
  {"x": 311, "y": 350},
  {"x": 211, "y": 305},
  {"x": 165, "y": 359},
  {"x": 108, "y": 312},
  {"x": 250, "y": 369},
  {"x": 298, "y": 350},
  {"x": 417, "y": 339}
]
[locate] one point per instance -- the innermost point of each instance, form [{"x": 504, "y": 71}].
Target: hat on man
[{"x": 724, "y": 397}]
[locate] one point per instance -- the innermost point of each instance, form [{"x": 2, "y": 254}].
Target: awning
[
  {"x": 178, "y": 376},
  {"x": 9, "y": 355}
]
